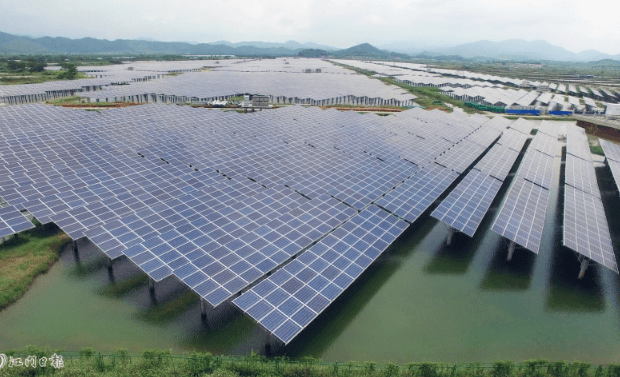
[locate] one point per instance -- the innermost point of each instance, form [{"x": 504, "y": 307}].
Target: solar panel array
[
  {"x": 546, "y": 144},
  {"x": 12, "y": 221},
  {"x": 522, "y": 216},
  {"x": 291, "y": 298},
  {"x": 524, "y": 126},
  {"x": 513, "y": 139},
  {"x": 413, "y": 197},
  {"x": 585, "y": 226},
  {"x": 466, "y": 205},
  {"x": 216, "y": 199},
  {"x": 612, "y": 152},
  {"x": 464, "y": 208}
]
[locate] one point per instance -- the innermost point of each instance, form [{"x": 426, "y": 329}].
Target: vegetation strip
[
  {"x": 25, "y": 257},
  {"x": 89, "y": 362},
  {"x": 427, "y": 96}
]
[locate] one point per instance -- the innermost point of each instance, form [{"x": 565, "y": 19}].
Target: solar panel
[
  {"x": 546, "y": 144},
  {"x": 416, "y": 194},
  {"x": 461, "y": 156},
  {"x": 537, "y": 167},
  {"x": 611, "y": 150},
  {"x": 549, "y": 128},
  {"x": 466, "y": 205},
  {"x": 513, "y": 139},
  {"x": 578, "y": 146},
  {"x": 216, "y": 199},
  {"x": 585, "y": 227},
  {"x": 615, "y": 170},
  {"x": 290, "y": 299},
  {"x": 524, "y": 126},
  {"x": 497, "y": 162},
  {"x": 581, "y": 175},
  {"x": 484, "y": 136},
  {"x": 12, "y": 221},
  {"x": 522, "y": 217}
]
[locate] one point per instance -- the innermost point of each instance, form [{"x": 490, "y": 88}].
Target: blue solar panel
[
  {"x": 416, "y": 194},
  {"x": 464, "y": 208},
  {"x": 522, "y": 216},
  {"x": 291, "y": 298}
]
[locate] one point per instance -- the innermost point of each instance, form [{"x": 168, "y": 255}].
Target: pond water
[{"x": 421, "y": 301}]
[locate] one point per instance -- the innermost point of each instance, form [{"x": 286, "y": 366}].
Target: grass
[
  {"x": 597, "y": 149},
  {"x": 24, "y": 258},
  {"x": 71, "y": 99},
  {"x": 427, "y": 96},
  {"x": 89, "y": 362},
  {"x": 34, "y": 77}
]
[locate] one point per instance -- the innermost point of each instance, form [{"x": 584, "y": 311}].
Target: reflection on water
[
  {"x": 509, "y": 275},
  {"x": 421, "y": 301}
]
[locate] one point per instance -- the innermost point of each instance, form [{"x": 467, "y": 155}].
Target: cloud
[{"x": 572, "y": 24}]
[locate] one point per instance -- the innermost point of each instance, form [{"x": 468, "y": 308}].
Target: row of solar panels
[
  {"x": 214, "y": 198},
  {"x": 128, "y": 181},
  {"x": 586, "y": 230}
]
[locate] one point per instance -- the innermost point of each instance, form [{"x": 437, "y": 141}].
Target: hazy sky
[{"x": 574, "y": 25}]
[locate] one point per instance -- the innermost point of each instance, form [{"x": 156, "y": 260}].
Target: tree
[
  {"x": 69, "y": 71},
  {"x": 12, "y": 65},
  {"x": 36, "y": 66}
]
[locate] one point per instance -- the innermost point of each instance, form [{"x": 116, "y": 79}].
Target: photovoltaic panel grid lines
[
  {"x": 581, "y": 175},
  {"x": 612, "y": 152},
  {"x": 585, "y": 227},
  {"x": 416, "y": 194},
  {"x": 537, "y": 168},
  {"x": 12, "y": 221},
  {"x": 286, "y": 302},
  {"x": 497, "y": 162},
  {"x": 522, "y": 217},
  {"x": 466, "y": 205},
  {"x": 216, "y": 199}
]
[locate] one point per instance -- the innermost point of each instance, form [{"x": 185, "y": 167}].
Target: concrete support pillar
[
  {"x": 584, "y": 266},
  {"x": 450, "y": 234},
  {"x": 511, "y": 250}
]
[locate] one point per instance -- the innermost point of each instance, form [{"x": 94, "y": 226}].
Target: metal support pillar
[
  {"x": 76, "y": 252},
  {"x": 584, "y": 266},
  {"x": 110, "y": 269},
  {"x": 450, "y": 234},
  {"x": 203, "y": 309},
  {"x": 152, "y": 287},
  {"x": 511, "y": 250},
  {"x": 16, "y": 237},
  {"x": 268, "y": 344}
]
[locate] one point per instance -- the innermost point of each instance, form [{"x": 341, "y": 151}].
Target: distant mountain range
[
  {"x": 513, "y": 49},
  {"x": 291, "y": 45}
]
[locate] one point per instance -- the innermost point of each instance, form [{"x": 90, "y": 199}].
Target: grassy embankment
[
  {"x": 155, "y": 363},
  {"x": 24, "y": 258},
  {"x": 427, "y": 96},
  {"x": 15, "y": 78}
]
